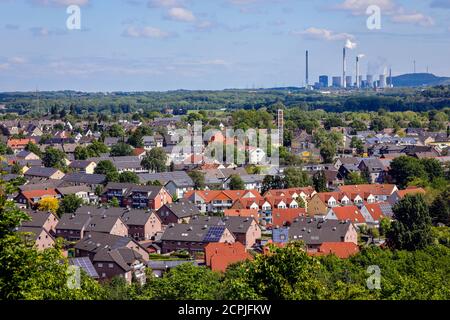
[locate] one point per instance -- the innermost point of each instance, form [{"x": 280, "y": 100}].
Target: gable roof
[
  {"x": 182, "y": 209},
  {"x": 38, "y": 218},
  {"x": 41, "y": 172},
  {"x": 193, "y": 233},
  {"x": 33, "y": 194},
  {"x": 317, "y": 231},
  {"x": 342, "y": 250},
  {"x": 350, "y": 213},
  {"x": 219, "y": 256},
  {"x": 85, "y": 178},
  {"x": 410, "y": 191},
  {"x": 375, "y": 189},
  {"x": 180, "y": 178},
  {"x": 102, "y": 223},
  {"x": 281, "y": 216},
  {"x": 96, "y": 241}
]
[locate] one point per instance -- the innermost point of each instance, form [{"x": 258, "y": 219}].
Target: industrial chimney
[
  {"x": 358, "y": 85},
  {"x": 344, "y": 69},
  {"x": 307, "y": 70}
]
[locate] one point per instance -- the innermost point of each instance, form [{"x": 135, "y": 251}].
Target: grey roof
[
  {"x": 34, "y": 232},
  {"x": 128, "y": 188},
  {"x": 191, "y": 233},
  {"x": 183, "y": 208},
  {"x": 167, "y": 264},
  {"x": 95, "y": 241},
  {"x": 101, "y": 223},
  {"x": 71, "y": 221},
  {"x": 72, "y": 189},
  {"x": 373, "y": 164},
  {"x": 100, "y": 211},
  {"x": 116, "y": 256},
  {"x": 109, "y": 141},
  {"x": 136, "y": 217},
  {"x": 234, "y": 224},
  {"x": 180, "y": 178},
  {"x": 131, "y": 217},
  {"x": 38, "y": 218},
  {"x": 40, "y": 185},
  {"x": 80, "y": 164},
  {"x": 9, "y": 177},
  {"x": 317, "y": 231},
  {"x": 252, "y": 178},
  {"x": 84, "y": 178},
  {"x": 41, "y": 172}
]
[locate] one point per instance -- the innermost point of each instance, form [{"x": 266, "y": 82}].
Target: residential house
[
  {"x": 142, "y": 225},
  {"x": 30, "y": 199},
  {"x": 347, "y": 213},
  {"x": 72, "y": 227},
  {"x": 314, "y": 232},
  {"x": 285, "y": 217},
  {"x": 319, "y": 204},
  {"x": 177, "y": 182},
  {"x": 374, "y": 212},
  {"x": 218, "y": 256},
  {"x": 44, "y": 173},
  {"x": 83, "y": 192},
  {"x": 400, "y": 194},
  {"x": 370, "y": 192},
  {"x": 177, "y": 212},
  {"x": 40, "y": 219},
  {"x": 83, "y": 166},
  {"x": 244, "y": 229},
  {"x": 374, "y": 168},
  {"x": 41, "y": 238},
  {"x": 83, "y": 179},
  {"x": 342, "y": 250},
  {"x": 136, "y": 196}
]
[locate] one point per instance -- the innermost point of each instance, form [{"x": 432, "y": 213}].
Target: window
[
  {"x": 100, "y": 265},
  {"x": 103, "y": 275},
  {"x": 110, "y": 265}
]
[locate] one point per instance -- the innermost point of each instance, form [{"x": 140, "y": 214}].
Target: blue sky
[{"x": 136, "y": 45}]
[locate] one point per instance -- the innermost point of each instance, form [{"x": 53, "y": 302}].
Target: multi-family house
[
  {"x": 40, "y": 219},
  {"x": 137, "y": 196},
  {"x": 374, "y": 212},
  {"x": 370, "y": 192},
  {"x": 83, "y": 166},
  {"x": 346, "y": 213},
  {"x": 177, "y": 183},
  {"x": 44, "y": 173},
  {"x": 193, "y": 237},
  {"x": 177, "y": 212},
  {"x": 30, "y": 199},
  {"x": 218, "y": 256},
  {"x": 37, "y": 236}
]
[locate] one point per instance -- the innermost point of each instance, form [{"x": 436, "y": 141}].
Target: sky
[{"x": 160, "y": 45}]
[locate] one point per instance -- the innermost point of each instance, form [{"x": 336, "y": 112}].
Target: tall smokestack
[
  {"x": 391, "y": 83},
  {"x": 357, "y": 72},
  {"x": 344, "y": 69},
  {"x": 307, "y": 69}
]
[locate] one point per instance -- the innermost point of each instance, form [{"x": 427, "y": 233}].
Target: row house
[
  {"x": 218, "y": 256},
  {"x": 219, "y": 200},
  {"x": 83, "y": 166},
  {"x": 314, "y": 232},
  {"x": 177, "y": 182},
  {"x": 43, "y": 173},
  {"x": 193, "y": 237},
  {"x": 30, "y": 199},
  {"x": 137, "y": 196},
  {"x": 347, "y": 213},
  {"x": 372, "y": 192},
  {"x": 177, "y": 212}
]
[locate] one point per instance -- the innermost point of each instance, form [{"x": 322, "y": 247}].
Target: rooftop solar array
[
  {"x": 214, "y": 234},
  {"x": 85, "y": 264}
]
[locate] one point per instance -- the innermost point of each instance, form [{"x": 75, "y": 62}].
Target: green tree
[
  {"x": 273, "y": 183},
  {"x": 114, "y": 202},
  {"x": 54, "y": 158},
  {"x": 32, "y": 147},
  {"x": 28, "y": 274},
  {"x": 198, "y": 178},
  {"x": 128, "y": 177},
  {"x": 121, "y": 150},
  {"x": 411, "y": 229},
  {"x": 433, "y": 168},
  {"x": 105, "y": 167},
  {"x": 405, "y": 169},
  {"x": 357, "y": 144},
  {"x": 116, "y": 131},
  {"x": 155, "y": 160},
  {"x": 355, "y": 178},
  {"x": 440, "y": 208},
  {"x": 4, "y": 149},
  {"x": 81, "y": 153},
  {"x": 296, "y": 178},
  {"x": 320, "y": 182},
  {"x": 328, "y": 152},
  {"x": 236, "y": 183},
  {"x": 69, "y": 204},
  {"x": 185, "y": 282}
]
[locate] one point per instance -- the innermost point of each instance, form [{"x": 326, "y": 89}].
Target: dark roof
[
  {"x": 80, "y": 164},
  {"x": 38, "y": 218},
  {"x": 193, "y": 233},
  {"x": 101, "y": 224},
  {"x": 41, "y": 172},
  {"x": 100, "y": 211},
  {"x": 85, "y": 178},
  {"x": 317, "y": 231},
  {"x": 108, "y": 255},
  {"x": 129, "y": 188},
  {"x": 95, "y": 241},
  {"x": 41, "y": 185},
  {"x": 234, "y": 224},
  {"x": 182, "y": 209},
  {"x": 72, "y": 189},
  {"x": 180, "y": 178},
  {"x": 133, "y": 217},
  {"x": 71, "y": 221},
  {"x": 136, "y": 217},
  {"x": 167, "y": 264},
  {"x": 34, "y": 232}
]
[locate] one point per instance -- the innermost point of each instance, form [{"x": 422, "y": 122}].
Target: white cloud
[
  {"x": 323, "y": 34},
  {"x": 181, "y": 14},
  {"x": 17, "y": 60},
  {"x": 146, "y": 32},
  {"x": 397, "y": 13},
  {"x": 61, "y": 2},
  {"x": 164, "y": 3},
  {"x": 350, "y": 45}
]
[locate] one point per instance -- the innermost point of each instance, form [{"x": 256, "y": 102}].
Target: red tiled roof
[
  {"x": 138, "y": 151},
  {"x": 241, "y": 213},
  {"x": 410, "y": 191},
  {"x": 375, "y": 189},
  {"x": 375, "y": 211},
  {"x": 351, "y": 213},
  {"x": 281, "y": 216},
  {"x": 30, "y": 195},
  {"x": 219, "y": 256},
  {"x": 14, "y": 143},
  {"x": 342, "y": 250}
]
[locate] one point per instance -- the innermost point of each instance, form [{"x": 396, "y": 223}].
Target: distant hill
[{"x": 419, "y": 80}]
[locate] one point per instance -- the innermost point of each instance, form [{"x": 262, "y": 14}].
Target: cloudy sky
[{"x": 134, "y": 45}]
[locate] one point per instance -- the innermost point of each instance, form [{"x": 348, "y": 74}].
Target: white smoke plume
[{"x": 350, "y": 45}]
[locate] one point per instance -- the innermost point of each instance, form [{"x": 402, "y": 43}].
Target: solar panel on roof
[
  {"x": 214, "y": 234},
  {"x": 85, "y": 264}
]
